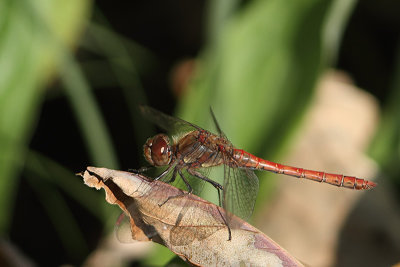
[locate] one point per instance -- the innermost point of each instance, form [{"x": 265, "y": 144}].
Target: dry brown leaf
[{"x": 191, "y": 227}]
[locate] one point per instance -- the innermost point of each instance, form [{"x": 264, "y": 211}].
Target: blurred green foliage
[
  {"x": 257, "y": 70},
  {"x": 29, "y": 54}
]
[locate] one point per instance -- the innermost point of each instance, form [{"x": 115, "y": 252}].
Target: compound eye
[{"x": 158, "y": 150}]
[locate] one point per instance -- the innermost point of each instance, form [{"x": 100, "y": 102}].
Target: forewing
[
  {"x": 240, "y": 191},
  {"x": 173, "y": 126},
  {"x": 220, "y": 132}
]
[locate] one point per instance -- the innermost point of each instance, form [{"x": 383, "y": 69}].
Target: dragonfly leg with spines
[
  {"x": 219, "y": 188},
  {"x": 213, "y": 183},
  {"x": 227, "y": 225},
  {"x": 164, "y": 172},
  {"x": 190, "y": 189},
  {"x": 140, "y": 170},
  {"x": 170, "y": 181}
]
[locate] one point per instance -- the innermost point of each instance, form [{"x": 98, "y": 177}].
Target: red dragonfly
[{"x": 193, "y": 149}]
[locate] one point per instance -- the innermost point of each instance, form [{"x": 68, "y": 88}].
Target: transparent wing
[
  {"x": 173, "y": 126},
  {"x": 220, "y": 132},
  {"x": 240, "y": 191},
  {"x": 240, "y": 185},
  {"x": 196, "y": 221}
]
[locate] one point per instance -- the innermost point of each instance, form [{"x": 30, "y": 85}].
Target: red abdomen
[{"x": 247, "y": 160}]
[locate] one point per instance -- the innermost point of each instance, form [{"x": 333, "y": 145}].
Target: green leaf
[{"x": 27, "y": 63}]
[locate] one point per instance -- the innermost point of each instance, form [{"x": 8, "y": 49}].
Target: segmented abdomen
[{"x": 247, "y": 160}]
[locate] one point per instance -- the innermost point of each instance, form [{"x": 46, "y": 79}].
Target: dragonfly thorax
[{"x": 157, "y": 150}]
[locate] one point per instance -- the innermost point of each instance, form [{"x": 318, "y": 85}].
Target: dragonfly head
[{"x": 157, "y": 150}]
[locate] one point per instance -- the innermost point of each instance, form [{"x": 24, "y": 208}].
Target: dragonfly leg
[
  {"x": 141, "y": 169},
  {"x": 164, "y": 172},
  {"x": 190, "y": 190},
  {"x": 227, "y": 225},
  {"x": 219, "y": 188},
  {"x": 202, "y": 177},
  {"x": 213, "y": 183},
  {"x": 173, "y": 177}
]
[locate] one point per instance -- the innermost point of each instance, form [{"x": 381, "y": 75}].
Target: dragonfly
[{"x": 192, "y": 150}]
